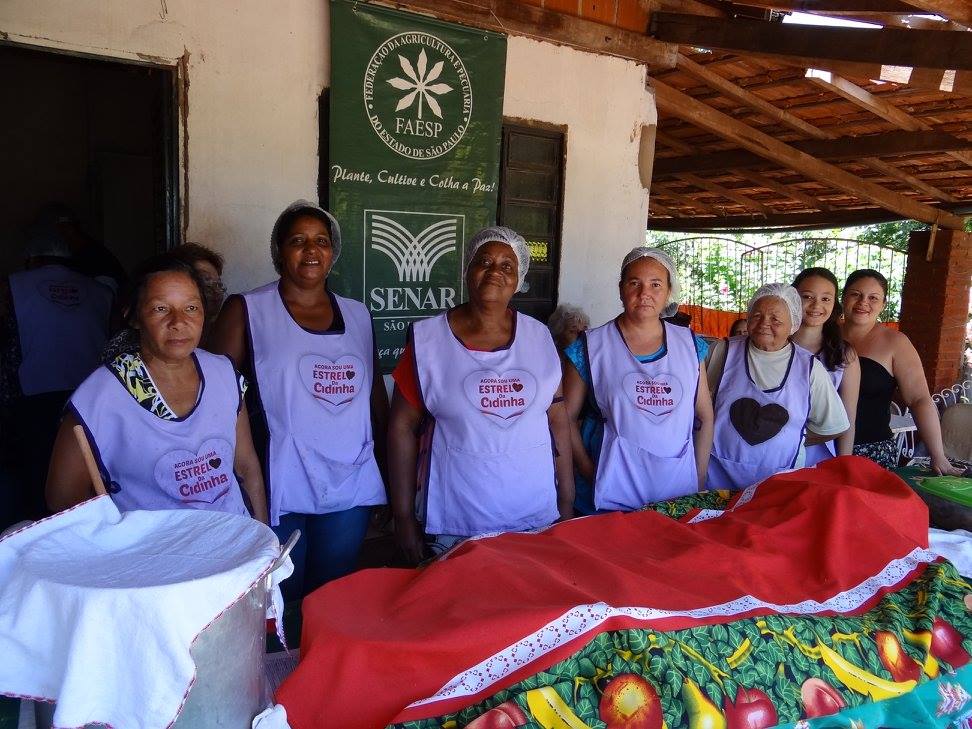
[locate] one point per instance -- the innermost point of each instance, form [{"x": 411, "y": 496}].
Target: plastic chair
[{"x": 957, "y": 432}]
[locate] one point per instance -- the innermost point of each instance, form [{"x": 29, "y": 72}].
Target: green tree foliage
[{"x": 723, "y": 271}]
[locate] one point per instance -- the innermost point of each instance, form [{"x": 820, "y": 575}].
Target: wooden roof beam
[
  {"x": 510, "y": 16},
  {"x": 744, "y": 96},
  {"x": 949, "y": 81},
  {"x": 657, "y": 207},
  {"x": 901, "y": 176},
  {"x": 684, "y": 200},
  {"x": 887, "y": 144},
  {"x": 876, "y": 105},
  {"x": 683, "y": 106},
  {"x": 736, "y": 92},
  {"x": 888, "y": 46},
  {"x": 727, "y": 193},
  {"x": 958, "y": 11},
  {"x": 779, "y": 222},
  {"x": 770, "y": 184}
]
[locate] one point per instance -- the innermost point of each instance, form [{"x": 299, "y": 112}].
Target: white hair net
[
  {"x": 502, "y": 234},
  {"x": 665, "y": 260},
  {"x": 789, "y": 295},
  {"x": 314, "y": 210}
]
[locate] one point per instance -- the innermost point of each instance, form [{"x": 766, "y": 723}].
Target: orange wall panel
[
  {"x": 602, "y": 11},
  {"x": 563, "y": 6}
]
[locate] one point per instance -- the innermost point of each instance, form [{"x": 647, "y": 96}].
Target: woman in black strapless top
[{"x": 889, "y": 362}]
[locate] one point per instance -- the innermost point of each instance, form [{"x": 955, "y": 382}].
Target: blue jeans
[{"x": 327, "y": 549}]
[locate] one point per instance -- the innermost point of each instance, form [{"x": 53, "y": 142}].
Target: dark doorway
[{"x": 97, "y": 136}]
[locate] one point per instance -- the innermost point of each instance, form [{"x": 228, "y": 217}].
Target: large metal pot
[{"x": 231, "y": 685}]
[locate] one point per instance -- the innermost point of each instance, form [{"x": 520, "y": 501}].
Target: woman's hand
[
  {"x": 941, "y": 466},
  {"x": 409, "y": 539}
]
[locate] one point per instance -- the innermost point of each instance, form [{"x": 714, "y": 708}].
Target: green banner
[{"x": 416, "y": 112}]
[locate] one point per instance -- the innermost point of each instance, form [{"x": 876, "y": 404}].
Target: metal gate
[{"x": 723, "y": 273}]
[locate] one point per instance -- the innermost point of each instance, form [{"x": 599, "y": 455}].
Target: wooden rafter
[
  {"x": 683, "y": 106},
  {"x": 749, "y": 98},
  {"x": 658, "y": 208},
  {"x": 727, "y": 193},
  {"x": 959, "y": 82},
  {"x": 510, "y": 16},
  {"x": 770, "y": 184},
  {"x": 781, "y": 221},
  {"x": 744, "y": 96},
  {"x": 887, "y": 46},
  {"x": 900, "y": 175},
  {"x": 834, "y": 6},
  {"x": 888, "y": 144},
  {"x": 878, "y": 106},
  {"x": 957, "y": 11},
  {"x": 669, "y": 141},
  {"x": 688, "y": 202}
]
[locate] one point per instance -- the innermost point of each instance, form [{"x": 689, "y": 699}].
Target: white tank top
[
  {"x": 491, "y": 463},
  {"x": 315, "y": 390},
  {"x": 62, "y": 321},
  {"x": 648, "y": 453},
  {"x": 152, "y": 463}
]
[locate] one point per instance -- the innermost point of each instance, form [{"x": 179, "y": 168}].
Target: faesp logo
[{"x": 417, "y": 95}]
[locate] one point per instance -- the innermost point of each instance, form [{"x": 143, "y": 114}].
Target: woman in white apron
[
  {"x": 770, "y": 395},
  {"x": 643, "y": 376},
  {"x": 820, "y": 334},
  {"x": 320, "y": 405},
  {"x": 166, "y": 421},
  {"x": 478, "y": 388}
]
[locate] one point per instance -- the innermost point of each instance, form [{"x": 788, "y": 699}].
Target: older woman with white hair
[
  {"x": 566, "y": 324},
  {"x": 772, "y": 397},
  {"x": 477, "y": 389},
  {"x": 643, "y": 377}
]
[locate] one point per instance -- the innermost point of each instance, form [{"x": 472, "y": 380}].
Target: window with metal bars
[{"x": 531, "y": 203}]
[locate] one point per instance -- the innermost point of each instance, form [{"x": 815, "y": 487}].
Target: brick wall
[{"x": 935, "y": 303}]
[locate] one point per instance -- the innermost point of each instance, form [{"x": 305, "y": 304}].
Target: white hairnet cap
[
  {"x": 502, "y": 234},
  {"x": 789, "y": 295},
  {"x": 314, "y": 210},
  {"x": 665, "y": 260}
]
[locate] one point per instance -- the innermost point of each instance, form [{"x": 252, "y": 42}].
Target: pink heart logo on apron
[
  {"x": 64, "y": 293},
  {"x": 654, "y": 395},
  {"x": 202, "y": 477},
  {"x": 501, "y": 397},
  {"x": 333, "y": 383}
]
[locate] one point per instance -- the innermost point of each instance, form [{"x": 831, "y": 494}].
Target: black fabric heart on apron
[{"x": 757, "y": 423}]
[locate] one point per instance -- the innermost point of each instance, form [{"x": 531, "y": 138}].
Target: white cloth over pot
[
  {"x": 98, "y": 609},
  {"x": 955, "y": 546}
]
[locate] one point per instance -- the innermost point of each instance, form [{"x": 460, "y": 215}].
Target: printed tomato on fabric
[
  {"x": 752, "y": 673},
  {"x": 800, "y": 600}
]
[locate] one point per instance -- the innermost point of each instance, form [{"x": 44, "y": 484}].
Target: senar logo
[
  {"x": 423, "y": 249},
  {"x": 417, "y": 95},
  {"x": 414, "y": 255}
]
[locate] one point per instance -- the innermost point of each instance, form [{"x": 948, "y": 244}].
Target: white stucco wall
[
  {"x": 255, "y": 71},
  {"x": 603, "y": 103}
]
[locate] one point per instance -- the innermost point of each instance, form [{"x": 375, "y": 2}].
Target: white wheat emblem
[{"x": 413, "y": 256}]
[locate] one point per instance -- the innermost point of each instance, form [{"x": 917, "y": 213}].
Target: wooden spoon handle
[{"x": 89, "y": 461}]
